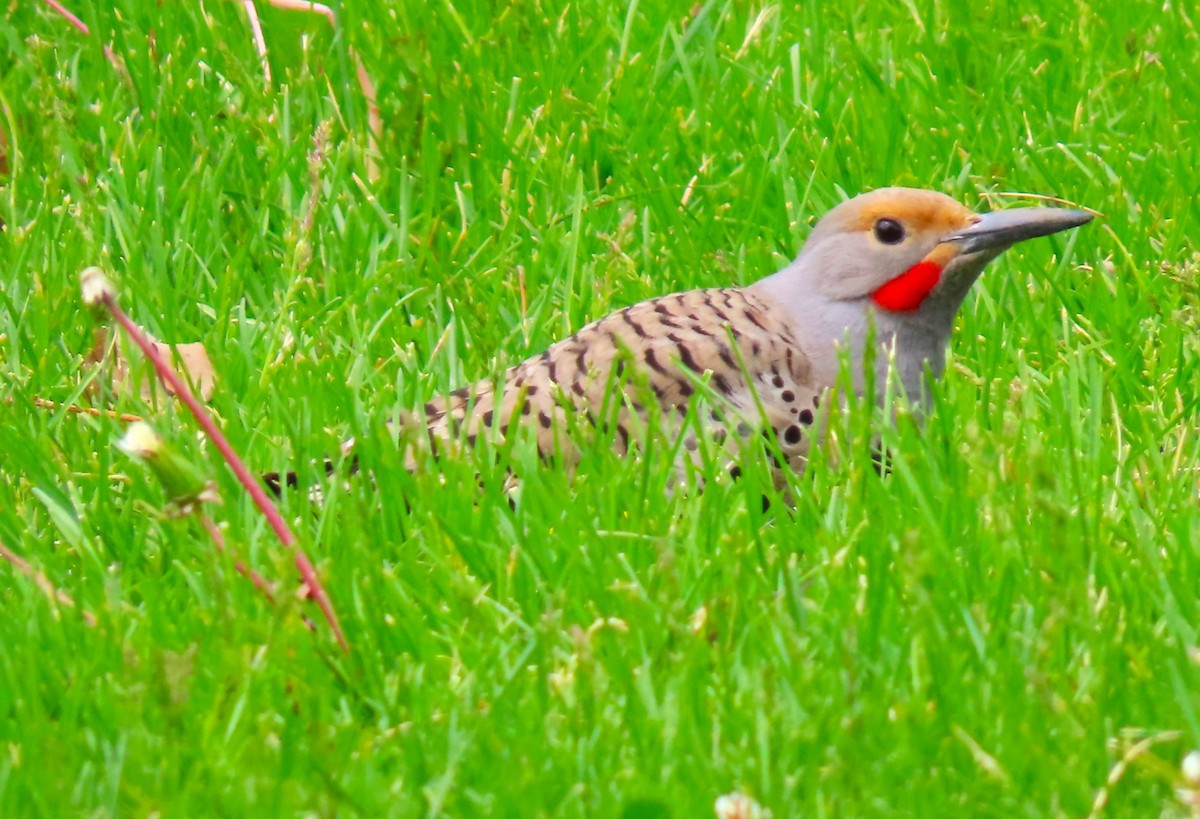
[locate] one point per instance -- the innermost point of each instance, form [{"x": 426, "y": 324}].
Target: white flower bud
[
  {"x": 1191, "y": 768},
  {"x": 140, "y": 440},
  {"x": 737, "y": 805}
]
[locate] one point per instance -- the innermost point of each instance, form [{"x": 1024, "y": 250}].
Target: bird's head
[{"x": 907, "y": 251}]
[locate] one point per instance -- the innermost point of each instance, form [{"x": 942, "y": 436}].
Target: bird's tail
[{"x": 276, "y": 481}]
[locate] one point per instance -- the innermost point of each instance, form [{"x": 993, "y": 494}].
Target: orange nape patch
[{"x": 908, "y": 291}]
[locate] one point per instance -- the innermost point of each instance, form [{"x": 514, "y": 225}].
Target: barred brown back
[{"x": 657, "y": 351}]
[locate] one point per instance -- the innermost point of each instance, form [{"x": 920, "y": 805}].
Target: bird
[{"x": 890, "y": 267}]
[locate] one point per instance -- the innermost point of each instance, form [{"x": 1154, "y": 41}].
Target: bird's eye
[{"x": 889, "y": 231}]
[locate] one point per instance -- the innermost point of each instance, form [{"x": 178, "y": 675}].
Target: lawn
[{"x": 1000, "y": 626}]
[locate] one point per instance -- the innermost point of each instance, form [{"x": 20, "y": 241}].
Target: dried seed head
[{"x": 96, "y": 287}]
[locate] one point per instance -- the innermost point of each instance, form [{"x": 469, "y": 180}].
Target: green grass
[{"x": 983, "y": 632}]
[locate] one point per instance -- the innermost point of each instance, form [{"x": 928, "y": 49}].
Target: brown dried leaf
[
  {"x": 195, "y": 365},
  {"x": 190, "y": 359}
]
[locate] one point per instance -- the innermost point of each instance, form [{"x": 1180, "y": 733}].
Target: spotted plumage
[
  {"x": 641, "y": 368},
  {"x": 893, "y": 265}
]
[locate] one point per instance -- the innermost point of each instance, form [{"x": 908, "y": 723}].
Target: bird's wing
[{"x": 614, "y": 370}]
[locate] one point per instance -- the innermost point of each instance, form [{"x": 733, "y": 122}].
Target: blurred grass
[{"x": 984, "y": 632}]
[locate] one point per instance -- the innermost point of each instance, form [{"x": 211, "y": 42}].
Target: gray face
[
  {"x": 865, "y": 243},
  {"x": 901, "y": 282}
]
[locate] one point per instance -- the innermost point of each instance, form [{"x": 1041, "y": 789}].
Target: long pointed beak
[{"x": 1004, "y": 228}]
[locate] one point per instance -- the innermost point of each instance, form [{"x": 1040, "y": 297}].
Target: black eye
[{"x": 889, "y": 231}]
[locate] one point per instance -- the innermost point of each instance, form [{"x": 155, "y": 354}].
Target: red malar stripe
[{"x": 907, "y": 291}]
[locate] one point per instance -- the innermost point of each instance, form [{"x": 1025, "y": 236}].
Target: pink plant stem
[
  {"x": 71, "y": 18},
  {"x": 184, "y": 393},
  {"x": 374, "y": 119},
  {"x": 82, "y": 27},
  {"x": 254, "y": 577},
  {"x": 260, "y": 42},
  {"x": 20, "y": 564}
]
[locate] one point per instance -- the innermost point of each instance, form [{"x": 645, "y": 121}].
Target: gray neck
[{"x": 907, "y": 343}]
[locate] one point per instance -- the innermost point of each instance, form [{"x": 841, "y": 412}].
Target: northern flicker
[{"x": 893, "y": 264}]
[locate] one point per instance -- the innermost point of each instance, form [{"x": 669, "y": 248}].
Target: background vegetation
[{"x": 986, "y": 631}]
